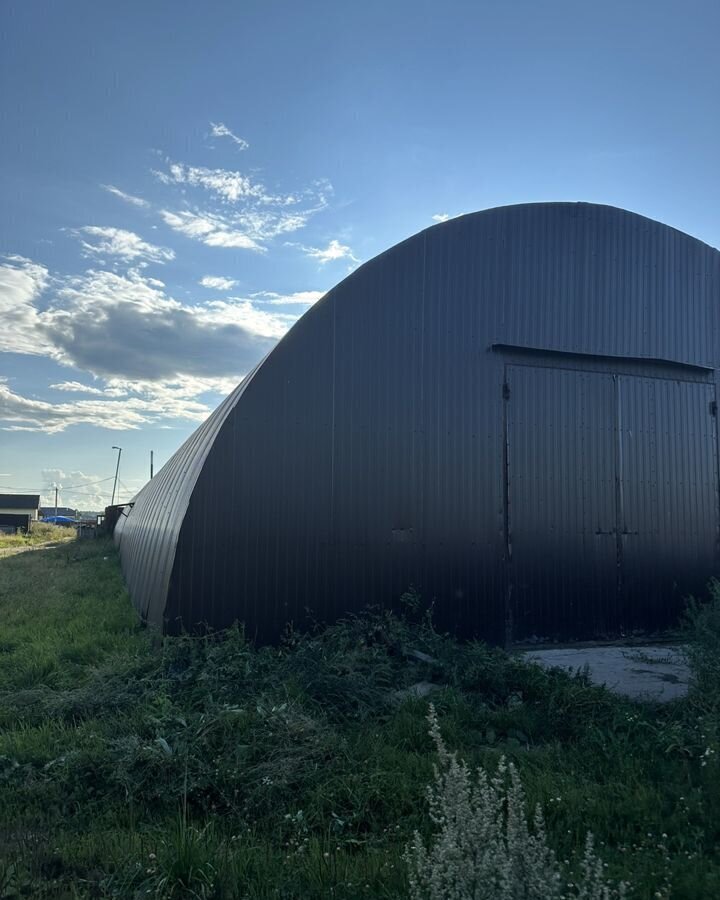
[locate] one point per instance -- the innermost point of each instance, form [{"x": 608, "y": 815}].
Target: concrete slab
[{"x": 652, "y": 673}]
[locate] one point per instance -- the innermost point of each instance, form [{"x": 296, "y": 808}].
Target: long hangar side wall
[{"x": 513, "y": 411}]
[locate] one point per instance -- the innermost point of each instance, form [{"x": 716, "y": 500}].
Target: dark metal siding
[
  {"x": 367, "y": 452},
  {"x": 19, "y": 501},
  {"x": 612, "y": 497},
  {"x": 147, "y": 536},
  {"x": 669, "y": 514},
  {"x": 561, "y": 510}
]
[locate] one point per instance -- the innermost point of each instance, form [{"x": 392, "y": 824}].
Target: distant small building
[{"x": 18, "y": 511}]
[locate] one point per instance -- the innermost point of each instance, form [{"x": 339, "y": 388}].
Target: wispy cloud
[
  {"x": 230, "y": 186},
  {"x": 239, "y": 312},
  {"x": 334, "y": 251},
  {"x": 132, "y": 405},
  {"x": 237, "y": 210},
  {"x": 19, "y": 413},
  {"x": 445, "y": 217},
  {"x": 77, "y": 387},
  {"x": 299, "y": 298},
  {"x": 219, "y": 129},
  {"x": 213, "y": 230},
  {"x": 128, "y": 198},
  {"x": 178, "y": 388},
  {"x": 105, "y": 241},
  {"x": 217, "y": 283},
  {"x": 134, "y": 353}
]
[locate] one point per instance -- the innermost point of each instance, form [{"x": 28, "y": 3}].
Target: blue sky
[{"x": 179, "y": 181}]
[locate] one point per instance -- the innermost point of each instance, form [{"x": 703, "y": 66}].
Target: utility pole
[
  {"x": 56, "y": 492},
  {"x": 117, "y": 469},
  {"x": 151, "y": 465}
]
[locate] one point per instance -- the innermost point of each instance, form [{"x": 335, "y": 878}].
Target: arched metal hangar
[{"x": 513, "y": 411}]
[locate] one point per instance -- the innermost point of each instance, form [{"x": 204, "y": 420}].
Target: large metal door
[
  {"x": 611, "y": 500},
  {"x": 667, "y": 497},
  {"x": 560, "y": 502}
]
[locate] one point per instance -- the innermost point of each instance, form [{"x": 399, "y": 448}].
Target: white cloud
[
  {"x": 125, "y": 244},
  {"x": 84, "y": 492},
  {"x": 76, "y": 387},
  {"x": 217, "y": 283},
  {"x": 179, "y": 388},
  {"x": 334, "y": 251},
  {"x": 242, "y": 313},
  {"x": 211, "y": 230},
  {"x": 142, "y": 407},
  {"x": 441, "y": 217},
  {"x": 21, "y": 284},
  {"x": 18, "y": 413},
  {"x": 226, "y": 238},
  {"x": 128, "y": 198},
  {"x": 301, "y": 298},
  {"x": 221, "y": 130},
  {"x": 239, "y": 212},
  {"x": 229, "y": 185},
  {"x": 127, "y": 326},
  {"x": 151, "y": 358}
]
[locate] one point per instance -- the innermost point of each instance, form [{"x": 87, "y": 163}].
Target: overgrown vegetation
[
  {"x": 486, "y": 848},
  {"x": 40, "y": 533},
  {"x": 205, "y": 767}
]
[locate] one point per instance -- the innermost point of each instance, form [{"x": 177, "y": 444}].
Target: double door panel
[{"x": 611, "y": 500}]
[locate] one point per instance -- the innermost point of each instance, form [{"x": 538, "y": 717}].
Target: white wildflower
[{"x": 483, "y": 847}]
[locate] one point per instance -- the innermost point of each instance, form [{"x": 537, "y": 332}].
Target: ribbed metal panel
[
  {"x": 374, "y": 447},
  {"x": 669, "y": 498},
  {"x": 561, "y": 502},
  {"x": 612, "y": 498},
  {"x": 147, "y": 535}
]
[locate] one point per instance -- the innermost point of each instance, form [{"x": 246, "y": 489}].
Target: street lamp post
[{"x": 117, "y": 469}]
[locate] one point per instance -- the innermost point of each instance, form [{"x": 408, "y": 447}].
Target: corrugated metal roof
[{"x": 19, "y": 501}]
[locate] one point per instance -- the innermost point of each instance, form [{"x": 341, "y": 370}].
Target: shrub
[
  {"x": 702, "y": 634},
  {"x": 47, "y": 531},
  {"x": 484, "y": 847}
]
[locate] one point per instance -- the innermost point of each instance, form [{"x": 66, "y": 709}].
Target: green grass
[
  {"x": 41, "y": 533},
  {"x": 132, "y": 766}
]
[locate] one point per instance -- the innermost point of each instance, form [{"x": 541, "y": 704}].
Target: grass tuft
[{"x": 40, "y": 533}]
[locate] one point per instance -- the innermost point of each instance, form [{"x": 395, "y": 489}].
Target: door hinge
[
  {"x": 506, "y": 391},
  {"x": 713, "y": 407}
]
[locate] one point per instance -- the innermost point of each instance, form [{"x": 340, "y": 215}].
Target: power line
[
  {"x": 65, "y": 487},
  {"x": 83, "y": 493},
  {"x": 87, "y": 483},
  {"x": 49, "y": 490}
]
